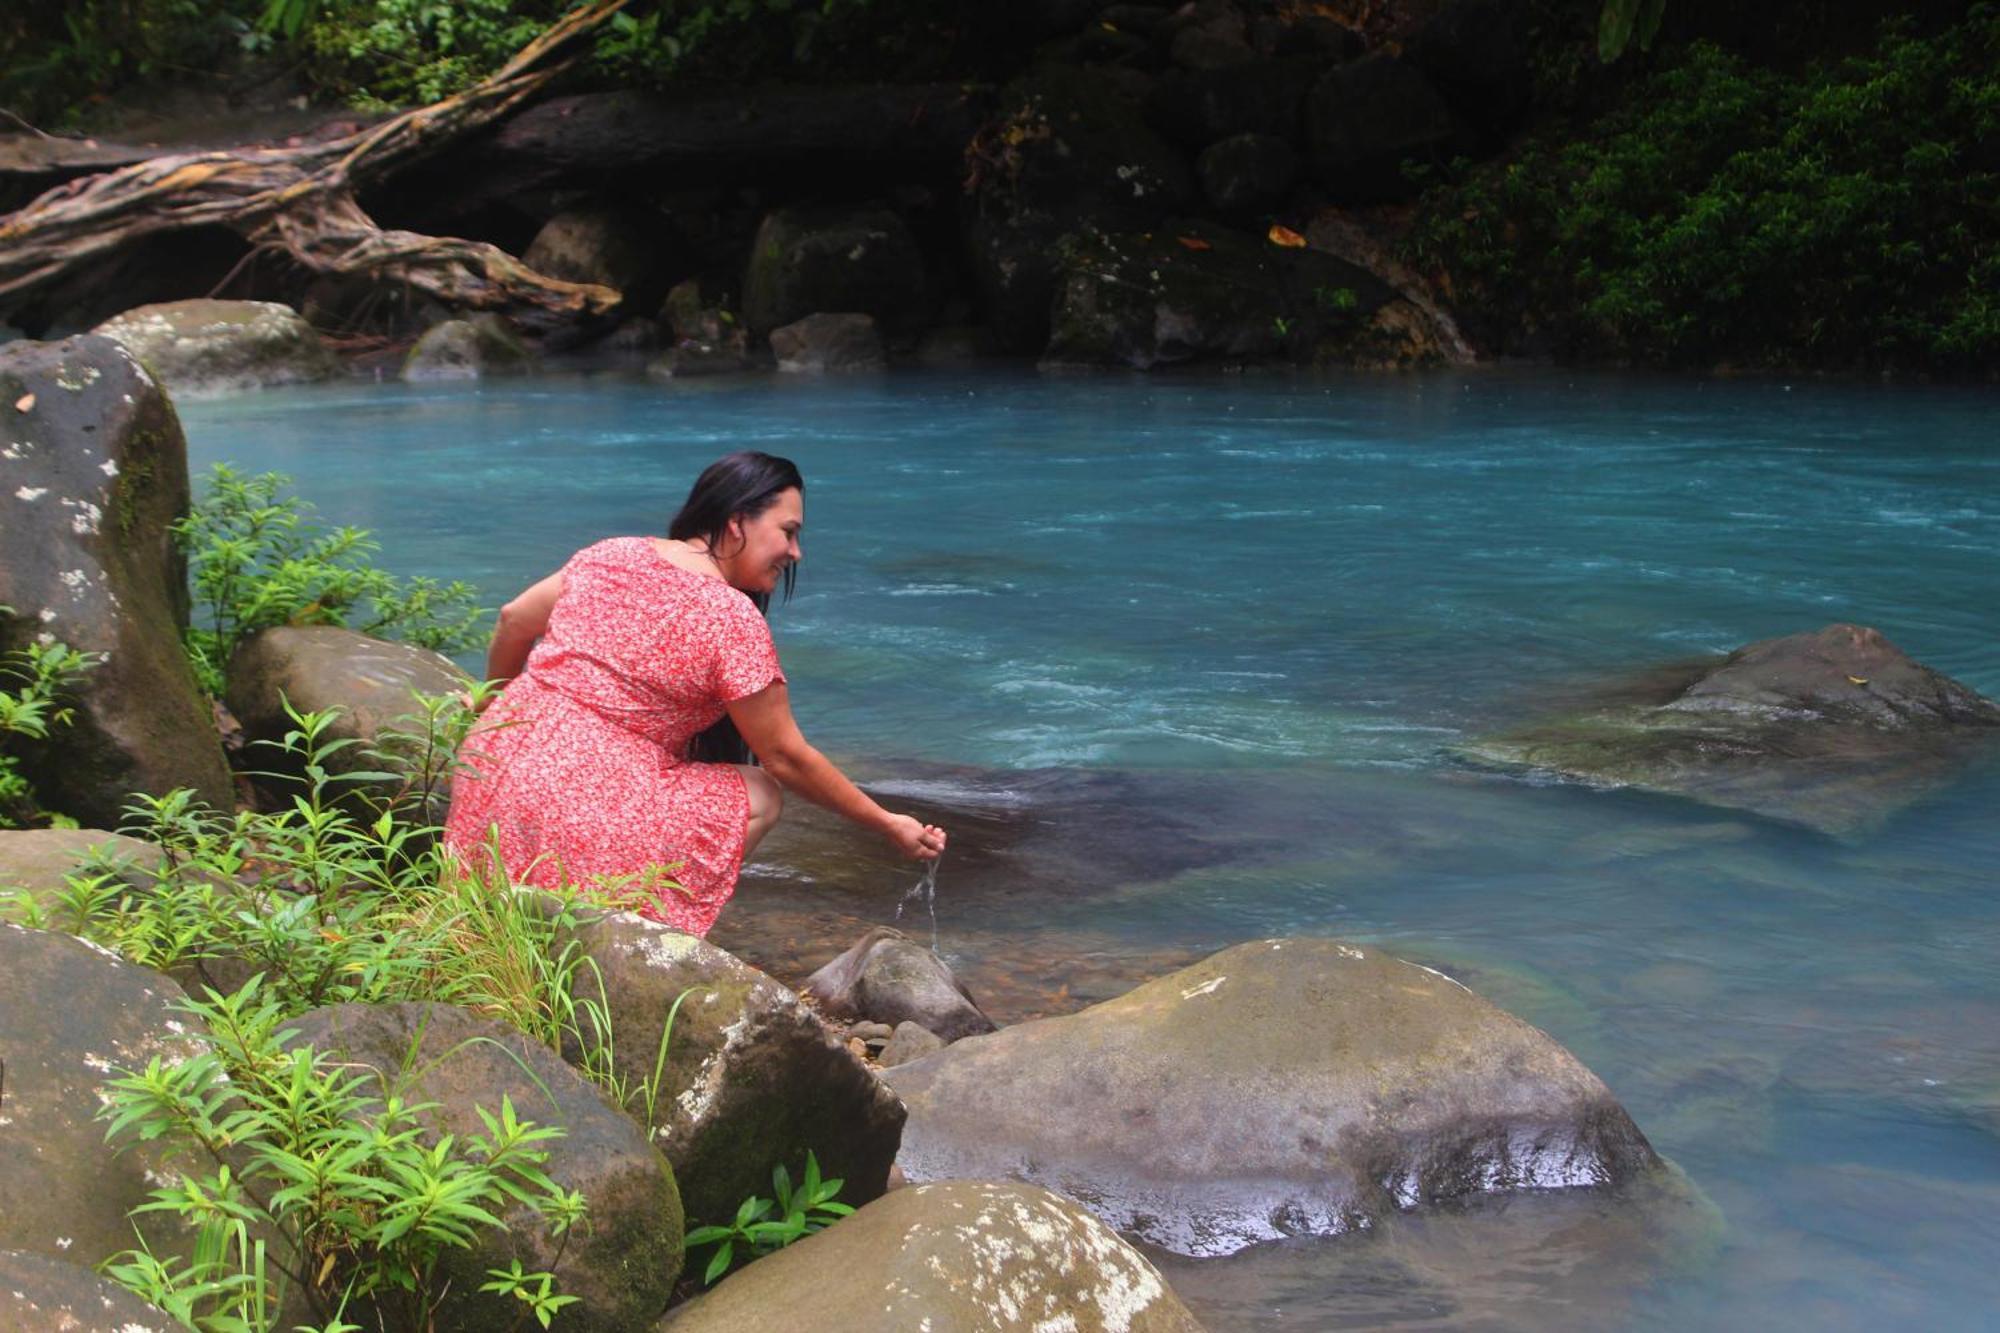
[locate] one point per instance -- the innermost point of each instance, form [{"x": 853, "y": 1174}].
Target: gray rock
[
  {"x": 93, "y": 472},
  {"x": 466, "y": 349},
  {"x": 622, "y": 249},
  {"x": 1836, "y": 729},
  {"x": 1365, "y": 119},
  {"x": 754, "y": 1078},
  {"x": 203, "y": 348},
  {"x": 954, "y": 345},
  {"x": 873, "y": 1033},
  {"x": 43, "y": 1295},
  {"x": 623, "y": 1261},
  {"x": 1248, "y": 175},
  {"x": 910, "y": 1042},
  {"x": 696, "y": 359},
  {"x": 40, "y": 860},
  {"x": 70, "y": 1015},
  {"x": 1279, "y": 1088},
  {"x": 890, "y": 978},
  {"x": 809, "y": 260},
  {"x": 374, "y": 682},
  {"x": 963, "y": 1255},
  {"x": 828, "y": 344}
]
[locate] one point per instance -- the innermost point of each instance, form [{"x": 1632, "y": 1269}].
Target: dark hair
[{"x": 743, "y": 484}]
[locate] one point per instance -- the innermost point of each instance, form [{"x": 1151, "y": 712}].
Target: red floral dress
[{"x": 578, "y": 769}]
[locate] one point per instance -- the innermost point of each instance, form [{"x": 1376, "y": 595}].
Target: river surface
[{"x": 1182, "y": 661}]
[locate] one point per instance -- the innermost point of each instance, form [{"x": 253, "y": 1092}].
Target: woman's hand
[{"x": 916, "y": 840}]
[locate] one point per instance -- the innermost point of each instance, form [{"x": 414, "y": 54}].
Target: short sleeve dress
[{"x": 578, "y": 772}]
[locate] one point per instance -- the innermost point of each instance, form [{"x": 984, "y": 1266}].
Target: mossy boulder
[
  {"x": 203, "y": 348},
  {"x": 1837, "y": 730},
  {"x": 864, "y": 260},
  {"x": 1279, "y": 1088},
  {"x": 467, "y": 349},
  {"x": 959, "y": 1255},
  {"x": 626, "y": 249},
  {"x": 828, "y": 344}
]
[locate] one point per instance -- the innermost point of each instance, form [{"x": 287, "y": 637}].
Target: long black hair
[{"x": 739, "y": 485}]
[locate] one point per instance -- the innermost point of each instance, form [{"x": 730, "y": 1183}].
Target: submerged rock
[
  {"x": 204, "y": 347},
  {"x": 1279, "y": 1088},
  {"x": 961, "y": 1255},
  {"x": 1836, "y": 730},
  {"x": 889, "y": 978}
]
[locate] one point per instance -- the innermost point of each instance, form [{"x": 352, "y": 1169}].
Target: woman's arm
[
  {"x": 764, "y": 720},
  {"x": 521, "y": 623}
]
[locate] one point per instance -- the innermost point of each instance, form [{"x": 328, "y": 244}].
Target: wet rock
[
  {"x": 1367, "y": 118},
  {"x": 1279, "y": 1088},
  {"x": 695, "y": 360},
  {"x": 43, "y": 1295},
  {"x": 623, "y": 1261},
  {"x": 910, "y": 1042},
  {"x": 466, "y": 349},
  {"x": 1836, "y": 729},
  {"x": 39, "y": 860},
  {"x": 1248, "y": 175},
  {"x": 204, "y": 348},
  {"x": 965, "y": 1254},
  {"x": 624, "y": 249},
  {"x": 809, "y": 260},
  {"x": 70, "y": 1015},
  {"x": 93, "y": 473},
  {"x": 753, "y": 1077},
  {"x": 824, "y": 344},
  {"x": 372, "y": 681},
  {"x": 1067, "y": 143},
  {"x": 890, "y": 978}
]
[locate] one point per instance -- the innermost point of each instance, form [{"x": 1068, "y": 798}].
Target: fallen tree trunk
[{"x": 301, "y": 201}]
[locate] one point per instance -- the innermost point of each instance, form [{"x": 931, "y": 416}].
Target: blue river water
[{"x": 1221, "y": 634}]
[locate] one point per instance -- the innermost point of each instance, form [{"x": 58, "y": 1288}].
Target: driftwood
[{"x": 301, "y": 200}]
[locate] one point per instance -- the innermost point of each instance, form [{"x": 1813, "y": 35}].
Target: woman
[{"x": 587, "y": 769}]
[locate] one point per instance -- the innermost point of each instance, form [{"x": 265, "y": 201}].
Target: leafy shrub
[
  {"x": 30, "y": 708},
  {"x": 1840, "y": 216},
  {"x": 763, "y": 1225},
  {"x": 257, "y": 558},
  {"x": 56, "y": 59}
]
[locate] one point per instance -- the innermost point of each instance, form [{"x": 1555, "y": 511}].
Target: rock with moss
[
  {"x": 622, "y": 1261},
  {"x": 71, "y": 1015},
  {"x": 1247, "y": 175},
  {"x": 43, "y": 1295},
  {"x": 203, "y": 348},
  {"x": 624, "y": 249},
  {"x": 887, "y": 977},
  {"x": 828, "y": 344},
  {"x": 38, "y": 862},
  {"x": 964, "y": 1254},
  {"x": 808, "y": 260},
  {"x": 1837, "y": 730},
  {"x": 93, "y": 474},
  {"x": 753, "y": 1079},
  {"x": 1279, "y": 1088},
  {"x": 467, "y": 349}
]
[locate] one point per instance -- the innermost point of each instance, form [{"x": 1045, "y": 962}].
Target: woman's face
[{"x": 770, "y": 542}]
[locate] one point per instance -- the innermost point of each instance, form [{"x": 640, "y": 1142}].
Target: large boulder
[
  {"x": 971, "y": 1255},
  {"x": 466, "y": 349},
  {"x": 823, "y": 344},
  {"x": 375, "y": 684},
  {"x": 623, "y": 249},
  {"x": 93, "y": 473},
  {"x": 1477, "y": 54},
  {"x": 70, "y": 1015},
  {"x": 752, "y": 1079},
  {"x": 39, "y": 861},
  {"x": 1364, "y": 120},
  {"x": 1196, "y": 108},
  {"x": 808, "y": 260},
  {"x": 202, "y": 348},
  {"x": 1279, "y": 1088},
  {"x": 1203, "y": 293},
  {"x": 1837, "y": 730},
  {"x": 43, "y": 1295},
  {"x": 887, "y": 977},
  {"x": 1247, "y": 175},
  {"x": 623, "y": 1260}
]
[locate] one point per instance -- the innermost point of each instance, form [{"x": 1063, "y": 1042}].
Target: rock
[
  {"x": 203, "y": 348},
  {"x": 70, "y": 1015},
  {"x": 954, "y": 345},
  {"x": 39, "y": 860},
  {"x": 43, "y": 1295},
  {"x": 1196, "y": 108},
  {"x": 760, "y": 1079},
  {"x": 93, "y": 471},
  {"x": 693, "y": 360},
  {"x": 1013, "y": 260},
  {"x": 1208, "y": 35},
  {"x": 1279, "y": 1088},
  {"x": 872, "y": 1033},
  {"x": 1198, "y": 292},
  {"x": 466, "y": 349},
  {"x": 1247, "y": 176},
  {"x": 1836, "y": 729},
  {"x": 1065, "y": 143},
  {"x": 623, "y": 249},
  {"x": 809, "y": 260},
  {"x": 1476, "y": 53},
  {"x": 1365, "y": 119},
  {"x": 623, "y": 1260},
  {"x": 890, "y": 978},
  {"x": 910, "y": 1042},
  {"x": 965, "y": 1254},
  {"x": 372, "y": 681},
  {"x": 828, "y": 344}
]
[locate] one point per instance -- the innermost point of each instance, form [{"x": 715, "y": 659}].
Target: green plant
[
  {"x": 305, "y": 1179},
  {"x": 258, "y": 558},
  {"x": 764, "y": 1225},
  {"x": 30, "y": 709}
]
